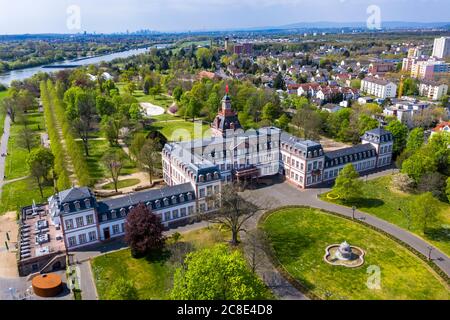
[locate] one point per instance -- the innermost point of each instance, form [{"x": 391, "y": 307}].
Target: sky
[{"x": 107, "y": 16}]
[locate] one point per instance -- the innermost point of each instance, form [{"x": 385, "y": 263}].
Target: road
[
  {"x": 4, "y": 150},
  {"x": 283, "y": 194}
]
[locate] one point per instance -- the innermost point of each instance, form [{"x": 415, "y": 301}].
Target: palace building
[{"x": 193, "y": 171}]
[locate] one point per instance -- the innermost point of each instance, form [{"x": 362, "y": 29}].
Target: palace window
[
  {"x": 183, "y": 212},
  {"x": 72, "y": 241},
  {"x": 80, "y": 222},
  {"x": 66, "y": 208},
  {"x": 90, "y": 219},
  {"x": 167, "y": 216},
  {"x": 116, "y": 229},
  {"x": 77, "y": 205},
  {"x": 87, "y": 203},
  {"x": 92, "y": 236},
  {"x": 69, "y": 224},
  {"x": 82, "y": 238}
]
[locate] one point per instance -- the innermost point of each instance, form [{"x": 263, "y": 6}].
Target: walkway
[
  {"x": 4, "y": 150},
  {"x": 284, "y": 194}
]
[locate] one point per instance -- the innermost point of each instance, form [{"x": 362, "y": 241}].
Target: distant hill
[{"x": 358, "y": 25}]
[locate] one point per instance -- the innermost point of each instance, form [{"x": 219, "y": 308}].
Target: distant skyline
[{"x": 109, "y": 16}]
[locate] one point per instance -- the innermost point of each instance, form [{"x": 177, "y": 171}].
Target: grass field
[
  {"x": 16, "y": 162},
  {"x": 97, "y": 171},
  {"x": 182, "y": 130},
  {"x": 21, "y": 193},
  {"x": 122, "y": 184},
  {"x": 153, "y": 275},
  {"x": 379, "y": 199},
  {"x": 299, "y": 237}
]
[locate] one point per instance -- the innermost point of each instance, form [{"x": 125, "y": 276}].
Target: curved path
[
  {"x": 4, "y": 149},
  {"x": 284, "y": 194}
]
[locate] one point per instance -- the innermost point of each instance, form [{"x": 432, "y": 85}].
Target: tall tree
[
  {"x": 150, "y": 156},
  {"x": 113, "y": 160},
  {"x": 216, "y": 274},
  {"x": 143, "y": 231},
  {"x": 424, "y": 210},
  {"x": 400, "y": 133},
  {"x": 122, "y": 289},
  {"x": 233, "y": 210},
  {"x": 348, "y": 185},
  {"x": 40, "y": 161},
  {"x": 26, "y": 138}
]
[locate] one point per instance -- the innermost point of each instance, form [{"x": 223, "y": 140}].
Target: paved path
[
  {"x": 284, "y": 194},
  {"x": 4, "y": 149}
]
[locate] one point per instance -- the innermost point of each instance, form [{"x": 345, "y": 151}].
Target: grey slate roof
[
  {"x": 348, "y": 155},
  {"x": 74, "y": 194},
  {"x": 146, "y": 196},
  {"x": 303, "y": 145}
]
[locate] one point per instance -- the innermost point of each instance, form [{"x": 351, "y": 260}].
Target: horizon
[{"x": 177, "y": 16}]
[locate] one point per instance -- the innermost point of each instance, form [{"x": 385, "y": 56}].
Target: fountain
[{"x": 344, "y": 255}]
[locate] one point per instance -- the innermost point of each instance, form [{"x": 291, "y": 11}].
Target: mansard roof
[{"x": 74, "y": 194}]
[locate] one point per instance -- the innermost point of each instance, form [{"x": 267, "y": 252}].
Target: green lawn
[
  {"x": 97, "y": 171},
  {"x": 152, "y": 276},
  {"x": 16, "y": 162},
  {"x": 181, "y": 130},
  {"x": 22, "y": 193},
  {"x": 379, "y": 199},
  {"x": 299, "y": 237},
  {"x": 158, "y": 100},
  {"x": 122, "y": 184}
]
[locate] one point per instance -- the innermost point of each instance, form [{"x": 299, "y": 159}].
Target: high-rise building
[{"x": 441, "y": 47}]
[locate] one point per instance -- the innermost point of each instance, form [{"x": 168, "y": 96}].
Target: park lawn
[
  {"x": 182, "y": 130},
  {"x": 153, "y": 275},
  {"x": 122, "y": 184},
  {"x": 379, "y": 199},
  {"x": 97, "y": 171},
  {"x": 16, "y": 162},
  {"x": 18, "y": 194},
  {"x": 299, "y": 237},
  {"x": 158, "y": 100}
]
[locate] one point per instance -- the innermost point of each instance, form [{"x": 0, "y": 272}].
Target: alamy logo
[
  {"x": 74, "y": 17},
  {"x": 374, "y": 279},
  {"x": 374, "y": 19}
]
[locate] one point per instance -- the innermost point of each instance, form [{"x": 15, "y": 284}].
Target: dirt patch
[{"x": 8, "y": 262}]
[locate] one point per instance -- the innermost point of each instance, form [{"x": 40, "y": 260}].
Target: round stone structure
[
  {"x": 344, "y": 255},
  {"x": 47, "y": 285}
]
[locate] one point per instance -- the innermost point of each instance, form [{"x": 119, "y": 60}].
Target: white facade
[
  {"x": 379, "y": 88},
  {"x": 433, "y": 91},
  {"x": 441, "y": 48}
]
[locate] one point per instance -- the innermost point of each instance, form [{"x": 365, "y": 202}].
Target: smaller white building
[
  {"x": 380, "y": 88},
  {"x": 433, "y": 90}
]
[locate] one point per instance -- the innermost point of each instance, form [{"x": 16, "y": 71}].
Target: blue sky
[{"x": 39, "y": 16}]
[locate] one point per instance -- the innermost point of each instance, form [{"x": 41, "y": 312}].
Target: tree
[
  {"x": 418, "y": 165},
  {"x": 122, "y": 289},
  {"x": 9, "y": 105},
  {"x": 204, "y": 57},
  {"x": 137, "y": 143},
  {"x": 111, "y": 129},
  {"x": 447, "y": 189},
  {"x": 278, "y": 82},
  {"x": 308, "y": 123},
  {"x": 26, "y": 138},
  {"x": 283, "y": 122},
  {"x": 233, "y": 210},
  {"x": 416, "y": 139},
  {"x": 150, "y": 156},
  {"x": 135, "y": 112},
  {"x": 40, "y": 161},
  {"x": 130, "y": 87},
  {"x": 348, "y": 185},
  {"x": 113, "y": 160},
  {"x": 177, "y": 93},
  {"x": 216, "y": 274},
  {"x": 104, "y": 106},
  {"x": 270, "y": 112},
  {"x": 148, "y": 84},
  {"x": 424, "y": 210},
  {"x": 400, "y": 134},
  {"x": 143, "y": 231},
  {"x": 80, "y": 111},
  {"x": 193, "y": 109}
]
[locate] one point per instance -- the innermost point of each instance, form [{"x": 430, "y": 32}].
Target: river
[{"x": 22, "y": 74}]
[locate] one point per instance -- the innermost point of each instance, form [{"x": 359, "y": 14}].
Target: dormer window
[
  {"x": 181, "y": 197},
  {"x": 158, "y": 204},
  {"x": 149, "y": 205},
  {"x": 216, "y": 175},
  {"x": 208, "y": 177},
  {"x": 189, "y": 195},
  {"x": 201, "y": 178},
  {"x": 77, "y": 205},
  {"x": 66, "y": 208},
  {"x": 174, "y": 200},
  {"x": 122, "y": 212},
  {"x": 87, "y": 203},
  {"x": 113, "y": 214},
  {"x": 166, "y": 201}
]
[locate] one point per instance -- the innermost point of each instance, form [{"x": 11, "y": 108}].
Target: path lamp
[
  {"x": 353, "y": 212},
  {"x": 429, "y": 253}
]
